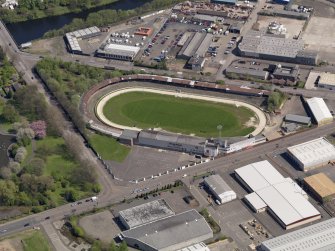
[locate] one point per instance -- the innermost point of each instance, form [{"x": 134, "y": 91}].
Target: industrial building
[
  {"x": 196, "y": 44},
  {"x": 175, "y": 142},
  {"x": 285, "y": 200},
  {"x": 255, "y": 202},
  {"x": 118, "y": 51},
  {"x": 72, "y": 38},
  {"x": 285, "y": 72},
  {"x": 312, "y": 154},
  {"x": 319, "y": 110},
  {"x": 321, "y": 186},
  {"x": 258, "y": 44},
  {"x": 240, "y": 145},
  {"x": 317, "y": 237},
  {"x": 219, "y": 188},
  {"x": 298, "y": 119},
  {"x": 246, "y": 73},
  {"x": 172, "y": 233},
  {"x": 327, "y": 80},
  {"x": 196, "y": 63},
  {"x": 196, "y": 247},
  {"x": 145, "y": 213}
]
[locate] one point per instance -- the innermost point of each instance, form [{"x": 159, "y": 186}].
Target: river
[{"x": 23, "y": 32}]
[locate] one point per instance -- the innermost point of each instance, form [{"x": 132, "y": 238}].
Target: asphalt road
[{"x": 112, "y": 191}]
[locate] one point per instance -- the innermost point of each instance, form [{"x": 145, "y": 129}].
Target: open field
[
  {"x": 26, "y": 241},
  {"x": 181, "y": 115},
  {"x": 108, "y": 148}
]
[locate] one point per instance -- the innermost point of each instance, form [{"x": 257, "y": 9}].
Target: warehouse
[
  {"x": 191, "y": 46},
  {"x": 321, "y": 186},
  {"x": 319, "y": 110},
  {"x": 118, "y": 51},
  {"x": 327, "y": 80},
  {"x": 172, "y": 233},
  {"x": 246, "y": 73},
  {"x": 175, "y": 142},
  {"x": 196, "y": 247},
  {"x": 145, "y": 213},
  {"x": 285, "y": 200},
  {"x": 255, "y": 202},
  {"x": 312, "y": 154},
  {"x": 317, "y": 237},
  {"x": 72, "y": 38},
  {"x": 219, "y": 188},
  {"x": 298, "y": 119},
  {"x": 257, "y": 44}
]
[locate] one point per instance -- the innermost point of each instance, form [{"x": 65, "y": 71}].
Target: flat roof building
[
  {"x": 298, "y": 119},
  {"x": 196, "y": 247},
  {"x": 319, "y": 110},
  {"x": 245, "y": 73},
  {"x": 145, "y": 213},
  {"x": 258, "y": 44},
  {"x": 317, "y": 237},
  {"x": 327, "y": 80},
  {"x": 285, "y": 200},
  {"x": 172, "y": 233},
  {"x": 321, "y": 186},
  {"x": 312, "y": 154},
  {"x": 118, "y": 51},
  {"x": 219, "y": 188},
  {"x": 286, "y": 72},
  {"x": 255, "y": 202}
]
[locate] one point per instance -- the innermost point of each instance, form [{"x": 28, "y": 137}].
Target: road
[{"x": 112, "y": 191}]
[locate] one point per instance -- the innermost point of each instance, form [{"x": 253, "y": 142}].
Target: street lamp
[{"x": 219, "y": 127}]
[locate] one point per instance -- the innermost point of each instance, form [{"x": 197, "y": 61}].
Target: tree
[
  {"x": 20, "y": 155},
  {"x": 96, "y": 246},
  {"x": 40, "y": 128},
  {"x": 35, "y": 166},
  {"x": 15, "y": 167},
  {"x": 10, "y": 114},
  {"x": 24, "y": 136},
  {"x": 70, "y": 195},
  {"x": 5, "y": 173},
  {"x": 8, "y": 192}
]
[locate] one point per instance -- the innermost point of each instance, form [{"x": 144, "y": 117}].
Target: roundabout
[{"x": 137, "y": 108}]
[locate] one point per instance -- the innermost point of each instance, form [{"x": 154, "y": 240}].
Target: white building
[
  {"x": 255, "y": 202},
  {"x": 10, "y": 4},
  {"x": 317, "y": 237},
  {"x": 285, "y": 200},
  {"x": 219, "y": 188},
  {"x": 327, "y": 80},
  {"x": 196, "y": 247},
  {"x": 319, "y": 110},
  {"x": 312, "y": 154},
  {"x": 119, "y": 52}
]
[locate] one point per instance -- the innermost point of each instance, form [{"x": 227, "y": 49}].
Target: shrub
[{"x": 21, "y": 153}]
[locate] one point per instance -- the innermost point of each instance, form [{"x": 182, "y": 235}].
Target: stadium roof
[
  {"x": 314, "y": 152},
  {"x": 327, "y": 78},
  {"x": 146, "y": 213},
  {"x": 282, "y": 195},
  {"x": 321, "y": 184},
  {"x": 217, "y": 184},
  {"x": 317, "y": 237},
  {"x": 319, "y": 109},
  {"x": 180, "y": 228}
]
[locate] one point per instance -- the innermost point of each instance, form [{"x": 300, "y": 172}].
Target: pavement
[
  {"x": 99, "y": 108},
  {"x": 114, "y": 191}
]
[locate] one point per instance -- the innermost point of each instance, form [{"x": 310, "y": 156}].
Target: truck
[{"x": 94, "y": 198}]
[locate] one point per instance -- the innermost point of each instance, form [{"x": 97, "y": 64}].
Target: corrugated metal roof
[
  {"x": 177, "y": 229},
  {"x": 217, "y": 184},
  {"x": 297, "y": 119},
  {"x": 318, "y": 237},
  {"x": 319, "y": 109},
  {"x": 314, "y": 152}
]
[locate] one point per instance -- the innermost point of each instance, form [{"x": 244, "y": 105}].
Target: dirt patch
[
  {"x": 100, "y": 226},
  {"x": 252, "y": 122},
  {"x": 53, "y": 46},
  {"x": 6, "y": 245}
]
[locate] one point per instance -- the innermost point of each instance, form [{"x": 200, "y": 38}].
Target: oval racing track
[{"x": 103, "y": 100}]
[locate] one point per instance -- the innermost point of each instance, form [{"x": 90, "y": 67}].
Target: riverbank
[
  {"x": 22, "y": 13},
  {"x": 109, "y": 17}
]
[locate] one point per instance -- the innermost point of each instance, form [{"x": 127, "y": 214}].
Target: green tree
[
  {"x": 9, "y": 113},
  {"x": 8, "y": 191},
  {"x": 96, "y": 246}
]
